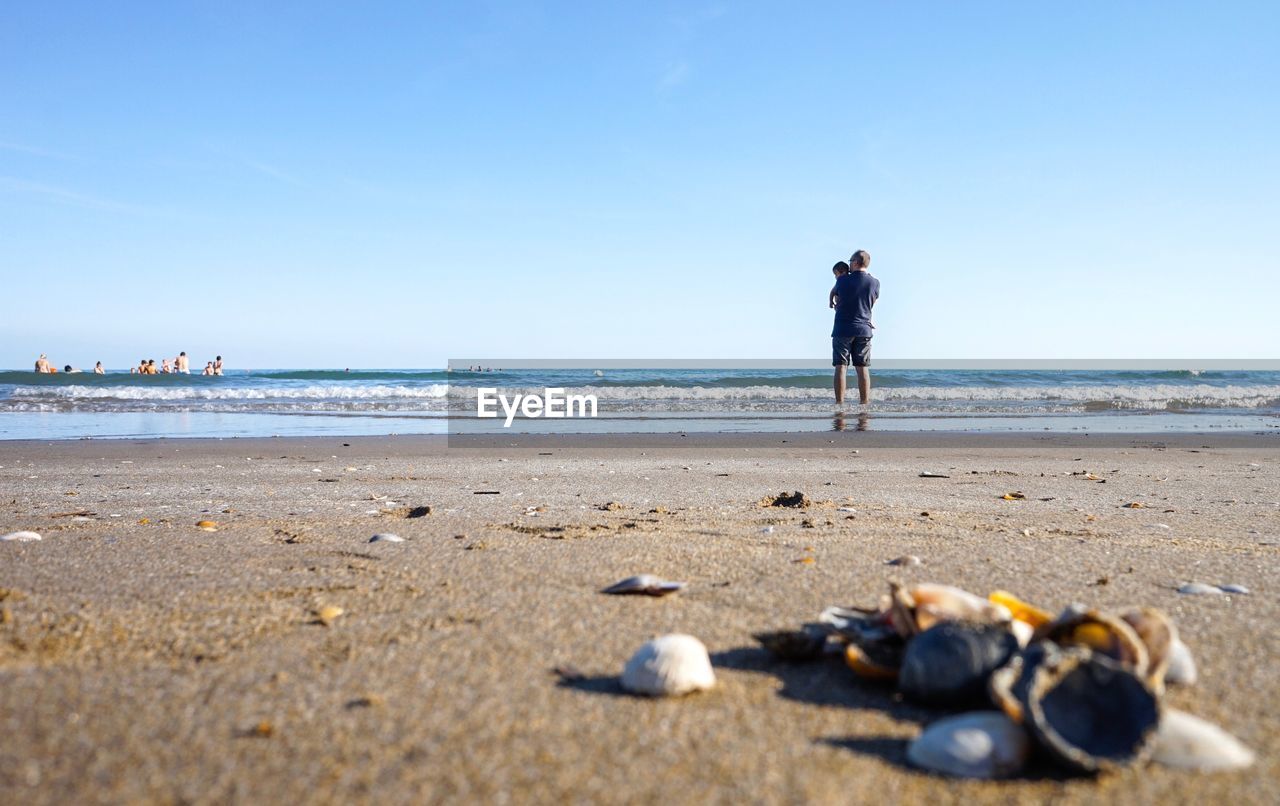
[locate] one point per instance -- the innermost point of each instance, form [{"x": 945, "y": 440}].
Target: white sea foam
[
  {"x": 434, "y": 397},
  {"x": 1145, "y": 396},
  {"x": 324, "y": 392}
]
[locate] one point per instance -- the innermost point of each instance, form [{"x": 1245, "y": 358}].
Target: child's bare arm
[{"x": 831, "y": 298}]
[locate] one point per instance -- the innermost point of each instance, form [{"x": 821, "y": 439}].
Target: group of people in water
[{"x": 147, "y": 366}]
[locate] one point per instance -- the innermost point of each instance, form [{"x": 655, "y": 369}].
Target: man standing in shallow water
[{"x": 856, "y": 293}]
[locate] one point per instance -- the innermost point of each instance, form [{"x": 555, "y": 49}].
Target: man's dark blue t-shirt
[{"x": 856, "y": 292}]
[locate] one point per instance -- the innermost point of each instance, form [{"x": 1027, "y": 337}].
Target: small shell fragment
[
  {"x": 20, "y": 537},
  {"x": 386, "y": 537},
  {"x": 1200, "y": 589},
  {"x": 328, "y": 614},
  {"x": 669, "y": 666},
  {"x": 643, "y": 585},
  {"x": 208, "y": 526},
  {"x": 1239, "y": 589},
  {"x": 905, "y": 560}
]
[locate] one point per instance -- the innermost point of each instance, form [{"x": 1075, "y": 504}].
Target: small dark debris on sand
[
  {"x": 795, "y": 499},
  {"x": 408, "y": 512}
]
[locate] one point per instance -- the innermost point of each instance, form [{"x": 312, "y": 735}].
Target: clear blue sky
[{"x": 386, "y": 184}]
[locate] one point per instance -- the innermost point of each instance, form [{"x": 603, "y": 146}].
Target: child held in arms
[{"x": 839, "y": 270}]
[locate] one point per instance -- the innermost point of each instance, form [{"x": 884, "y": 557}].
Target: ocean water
[{"x": 300, "y": 402}]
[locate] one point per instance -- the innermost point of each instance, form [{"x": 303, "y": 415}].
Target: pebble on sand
[
  {"x": 20, "y": 537},
  {"x": 1232, "y": 588},
  {"x": 386, "y": 537}
]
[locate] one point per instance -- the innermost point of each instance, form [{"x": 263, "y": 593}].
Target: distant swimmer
[
  {"x": 42, "y": 365},
  {"x": 69, "y": 370},
  {"x": 150, "y": 368},
  {"x": 98, "y": 370},
  {"x": 182, "y": 363},
  {"x": 217, "y": 365},
  {"x": 208, "y": 369}
]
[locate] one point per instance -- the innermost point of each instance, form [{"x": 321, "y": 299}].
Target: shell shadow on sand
[
  {"x": 825, "y": 681},
  {"x": 828, "y": 681},
  {"x": 608, "y": 684}
]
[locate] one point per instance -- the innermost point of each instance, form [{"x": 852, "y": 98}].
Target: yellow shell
[
  {"x": 208, "y": 526},
  {"x": 327, "y": 614},
  {"x": 863, "y": 667},
  {"x": 1021, "y": 610}
]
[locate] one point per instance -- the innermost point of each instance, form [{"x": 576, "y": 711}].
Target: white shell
[
  {"x": 644, "y": 585},
  {"x": 669, "y": 666},
  {"x": 1182, "y": 667},
  {"x": 386, "y": 538},
  {"x": 1189, "y": 742},
  {"x": 1240, "y": 589},
  {"x": 1022, "y": 631},
  {"x": 20, "y": 537},
  {"x": 982, "y": 744},
  {"x": 1200, "y": 589}
]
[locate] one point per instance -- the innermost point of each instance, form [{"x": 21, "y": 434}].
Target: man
[
  {"x": 217, "y": 365},
  {"x": 856, "y": 293},
  {"x": 42, "y": 365},
  {"x": 182, "y": 363}
]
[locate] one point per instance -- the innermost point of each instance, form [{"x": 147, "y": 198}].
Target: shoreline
[{"x": 711, "y": 440}]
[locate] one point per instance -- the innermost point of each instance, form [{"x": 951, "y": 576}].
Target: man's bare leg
[
  {"x": 864, "y": 385},
  {"x": 839, "y": 384}
]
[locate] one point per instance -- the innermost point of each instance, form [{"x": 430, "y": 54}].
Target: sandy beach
[{"x": 145, "y": 660}]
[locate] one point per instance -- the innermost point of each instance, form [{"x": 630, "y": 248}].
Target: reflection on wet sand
[{"x": 839, "y": 423}]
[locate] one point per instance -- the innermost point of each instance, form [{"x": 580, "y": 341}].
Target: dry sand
[{"x": 145, "y": 660}]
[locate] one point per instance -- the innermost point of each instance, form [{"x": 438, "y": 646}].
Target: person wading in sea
[{"x": 855, "y": 294}]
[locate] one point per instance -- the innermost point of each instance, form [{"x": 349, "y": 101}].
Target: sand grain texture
[{"x": 143, "y": 659}]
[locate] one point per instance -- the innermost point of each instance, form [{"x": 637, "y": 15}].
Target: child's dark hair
[{"x": 840, "y": 268}]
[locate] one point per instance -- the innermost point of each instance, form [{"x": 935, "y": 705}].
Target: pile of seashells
[{"x": 1084, "y": 687}]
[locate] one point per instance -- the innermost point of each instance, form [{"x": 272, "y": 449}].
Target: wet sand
[{"x": 145, "y": 660}]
